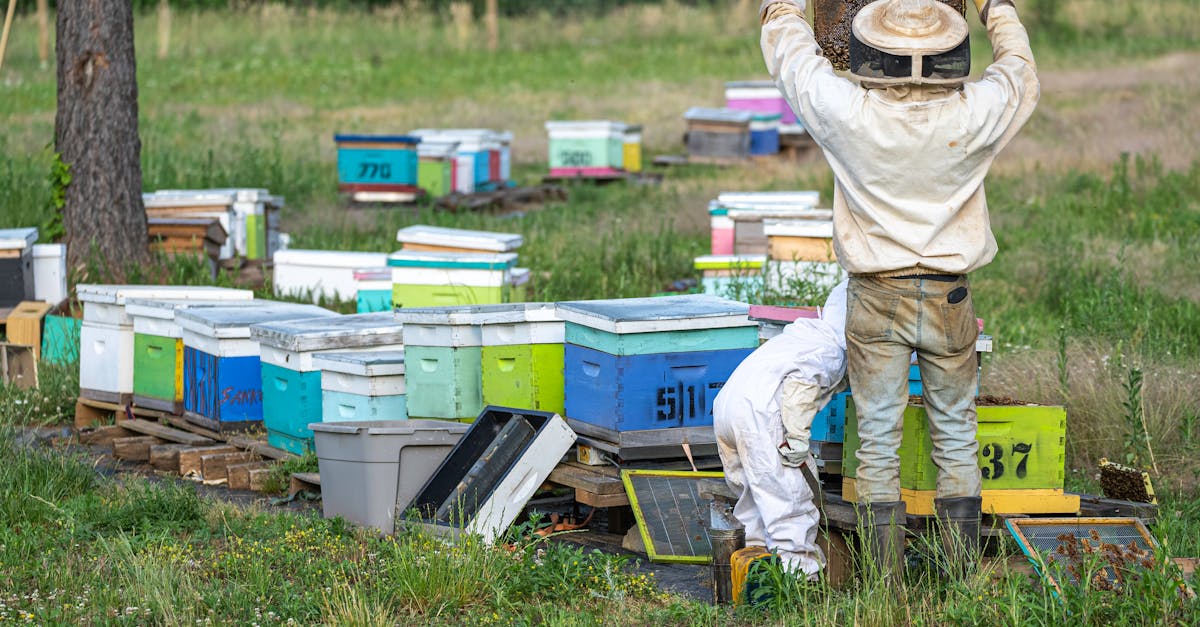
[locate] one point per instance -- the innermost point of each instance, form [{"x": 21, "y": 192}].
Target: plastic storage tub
[{"x": 371, "y": 470}]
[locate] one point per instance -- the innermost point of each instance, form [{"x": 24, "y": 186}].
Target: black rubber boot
[
  {"x": 882, "y": 528},
  {"x": 958, "y": 523}
]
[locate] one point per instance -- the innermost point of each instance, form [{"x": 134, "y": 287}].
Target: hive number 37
[
  {"x": 368, "y": 170},
  {"x": 996, "y": 461}
]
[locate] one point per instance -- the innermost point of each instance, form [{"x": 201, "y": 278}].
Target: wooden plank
[
  {"x": 166, "y": 456},
  {"x": 259, "y": 478},
  {"x": 240, "y": 475},
  {"x": 87, "y": 415},
  {"x": 164, "y": 432},
  {"x": 134, "y": 449},
  {"x": 104, "y": 435},
  {"x": 215, "y": 468},
  {"x": 189, "y": 459},
  {"x": 18, "y": 366},
  {"x": 180, "y": 423},
  {"x": 601, "y": 500},
  {"x": 301, "y": 481},
  {"x": 25, "y": 325},
  {"x": 262, "y": 448},
  {"x": 839, "y": 560},
  {"x": 587, "y": 480}
]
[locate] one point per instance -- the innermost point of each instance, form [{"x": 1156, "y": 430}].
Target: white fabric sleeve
[
  {"x": 1005, "y": 98},
  {"x": 805, "y": 77}
]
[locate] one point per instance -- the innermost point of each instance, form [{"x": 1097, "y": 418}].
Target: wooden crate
[
  {"x": 25, "y": 325},
  {"x": 1020, "y": 448},
  {"x": 18, "y": 366}
]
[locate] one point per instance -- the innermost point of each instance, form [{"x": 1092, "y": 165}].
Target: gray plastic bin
[{"x": 370, "y": 468}]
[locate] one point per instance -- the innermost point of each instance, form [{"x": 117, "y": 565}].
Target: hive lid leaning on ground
[
  {"x": 17, "y": 239},
  {"x": 378, "y": 364},
  {"x": 371, "y": 329},
  {"x": 467, "y": 261},
  {"x": 235, "y": 322},
  {"x": 459, "y": 238},
  {"x": 650, "y": 315}
]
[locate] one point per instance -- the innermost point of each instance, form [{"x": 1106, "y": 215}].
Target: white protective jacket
[
  {"x": 775, "y": 502},
  {"x": 908, "y": 162}
]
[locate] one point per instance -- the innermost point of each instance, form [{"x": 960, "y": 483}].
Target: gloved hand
[
  {"x": 794, "y": 451},
  {"x": 767, "y": 7},
  {"x": 985, "y": 5}
]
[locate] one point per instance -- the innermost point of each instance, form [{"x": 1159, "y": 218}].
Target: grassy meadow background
[{"x": 1094, "y": 207}]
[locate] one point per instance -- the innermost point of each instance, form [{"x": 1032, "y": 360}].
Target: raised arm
[
  {"x": 1009, "y": 89},
  {"x": 794, "y": 60}
]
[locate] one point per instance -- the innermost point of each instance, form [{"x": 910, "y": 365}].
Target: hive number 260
[
  {"x": 994, "y": 457},
  {"x": 368, "y": 170}
]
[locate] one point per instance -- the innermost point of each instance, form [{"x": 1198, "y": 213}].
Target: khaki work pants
[{"x": 886, "y": 320}]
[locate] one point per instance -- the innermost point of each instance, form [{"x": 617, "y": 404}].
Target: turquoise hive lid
[{"x": 452, "y": 260}]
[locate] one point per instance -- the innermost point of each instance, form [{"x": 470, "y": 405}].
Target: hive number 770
[
  {"x": 994, "y": 457},
  {"x": 369, "y": 170}
]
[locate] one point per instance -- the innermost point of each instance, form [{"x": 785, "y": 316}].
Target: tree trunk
[{"x": 96, "y": 131}]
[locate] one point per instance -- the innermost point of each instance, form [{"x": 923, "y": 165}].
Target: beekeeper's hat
[{"x": 910, "y": 41}]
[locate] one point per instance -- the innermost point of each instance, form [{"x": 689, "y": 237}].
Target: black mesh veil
[{"x": 871, "y": 63}]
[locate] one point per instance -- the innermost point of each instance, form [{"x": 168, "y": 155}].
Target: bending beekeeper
[
  {"x": 762, "y": 418},
  {"x": 910, "y": 144}
]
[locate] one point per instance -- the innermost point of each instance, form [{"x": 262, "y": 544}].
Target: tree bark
[{"x": 96, "y": 132}]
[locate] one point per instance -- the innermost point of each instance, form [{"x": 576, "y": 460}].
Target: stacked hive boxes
[
  {"x": 1021, "y": 454},
  {"x": 739, "y": 277},
  {"x": 362, "y": 386},
  {"x": 374, "y": 289},
  {"x": 292, "y": 392},
  {"x": 106, "y": 354},
  {"x": 478, "y": 159},
  {"x": 758, "y": 97},
  {"x": 378, "y": 168},
  {"x": 737, "y": 218},
  {"x": 250, "y": 217},
  {"x": 801, "y": 251},
  {"x": 522, "y": 358},
  {"x": 16, "y": 266},
  {"x": 448, "y": 267},
  {"x": 717, "y": 135},
  {"x": 594, "y": 149},
  {"x": 443, "y": 354},
  {"x": 158, "y": 349},
  {"x": 222, "y": 376},
  {"x": 322, "y": 274},
  {"x": 651, "y": 365}
]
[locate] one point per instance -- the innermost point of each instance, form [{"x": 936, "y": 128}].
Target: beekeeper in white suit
[
  {"x": 910, "y": 143},
  {"x": 762, "y": 418}
]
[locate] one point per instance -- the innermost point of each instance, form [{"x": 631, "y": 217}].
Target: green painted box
[
  {"x": 1020, "y": 448},
  {"x": 444, "y": 382},
  {"x": 158, "y": 369},
  {"x": 447, "y": 295},
  {"x": 435, "y": 176},
  {"x": 526, "y": 376},
  {"x": 60, "y": 339}
]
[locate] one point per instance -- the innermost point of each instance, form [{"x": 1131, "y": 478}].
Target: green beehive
[{"x": 1020, "y": 448}]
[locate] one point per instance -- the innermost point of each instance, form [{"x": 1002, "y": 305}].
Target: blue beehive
[
  {"x": 222, "y": 384},
  {"x": 829, "y": 425},
  {"x": 363, "y": 386},
  {"x": 292, "y": 396},
  {"x": 651, "y": 363},
  {"x": 377, "y": 159}
]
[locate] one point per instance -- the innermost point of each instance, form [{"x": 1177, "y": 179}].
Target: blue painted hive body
[
  {"x": 651, "y": 363},
  {"x": 377, "y": 159},
  {"x": 222, "y": 383},
  {"x": 292, "y": 395},
  {"x": 363, "y": 386}
]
